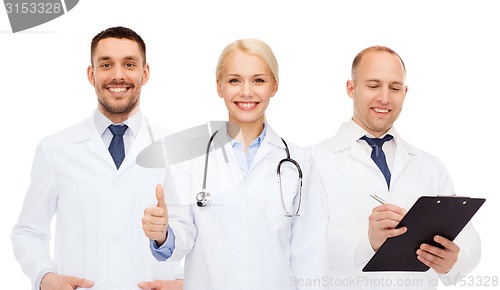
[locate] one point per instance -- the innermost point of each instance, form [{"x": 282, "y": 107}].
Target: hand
[
  {"x": 163, "y": 285},
  {"x": 382, "y": 223},
  {"x": 155, "y": 219},
  {"x": 441, "y": 260},
  {"x": 52, "y": 281}
]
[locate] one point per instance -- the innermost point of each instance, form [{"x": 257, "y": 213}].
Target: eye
[
  {"x": 233, "y": 81},
  {"x": 372, "y": 86},
  {"x": 395, "y": 89},
  {"x": 105, "y": 65},
  {"x": 130, "y": 64},
  {"x": 259, "y": 81}
]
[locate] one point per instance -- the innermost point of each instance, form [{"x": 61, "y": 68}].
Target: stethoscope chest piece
[{"x": 203, "y": 198}]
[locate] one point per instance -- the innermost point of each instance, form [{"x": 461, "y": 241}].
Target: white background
[{"x": 450, "y": 49}]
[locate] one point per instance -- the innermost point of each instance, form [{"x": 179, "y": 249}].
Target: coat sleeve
[
  {"x": 31, "y": 235},
  {"x": 468, "y": 240},
  {"x": 181, "y": 218},
  {"x": 309, "y": 241}
]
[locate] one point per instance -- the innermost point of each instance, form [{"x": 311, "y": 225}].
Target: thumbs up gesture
[{"x": 155, "y": 219}]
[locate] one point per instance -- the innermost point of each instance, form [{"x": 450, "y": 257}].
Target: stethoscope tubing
[{"x": 204, "y": 198}]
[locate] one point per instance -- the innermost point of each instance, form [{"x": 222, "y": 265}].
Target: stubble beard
[{"x": 122, "y": 110}]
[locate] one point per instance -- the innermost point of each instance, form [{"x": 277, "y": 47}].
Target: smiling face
[
  {"x": 378, "y": 91},
  {"x": 246, "y": 84},
  {"x": 118, "y": 73}
]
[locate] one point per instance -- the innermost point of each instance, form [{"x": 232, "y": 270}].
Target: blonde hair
[{"x": 252, "y": 46}]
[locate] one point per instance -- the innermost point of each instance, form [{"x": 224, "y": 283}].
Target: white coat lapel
[
  {"x": 357, "y": 152},
  {"x": 402, "y": 157},
  {"x": 271, "y": 141},
  {"x": 346, "y": 139},
  {"x": 227, "y": 153},
  {"x": 142, "y": 140},
  {"x": 88, "y": 134}
]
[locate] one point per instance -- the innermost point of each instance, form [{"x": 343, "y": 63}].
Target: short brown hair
[{"x": 118, "y": 32}]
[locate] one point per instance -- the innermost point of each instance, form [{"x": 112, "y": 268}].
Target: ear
[
  {"x": 145, "y": 74},
  {"x": 90, "y": 75},
  {"x": 275, "y": 89},
  {"x": 219, "y": 89},
  {"x": 350, "y": 88}
]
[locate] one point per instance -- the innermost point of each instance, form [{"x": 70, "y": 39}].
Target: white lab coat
[
  {"x": 98, "y": 211},
  {"x": 349, "y": 176},
  {"x": 242, "y": 239}
]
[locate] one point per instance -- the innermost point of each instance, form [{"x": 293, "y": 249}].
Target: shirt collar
[
  {"x": 255, "y": 142},
  {"x": 102, "y": 122},
  {"x": 358, "y": 132}
]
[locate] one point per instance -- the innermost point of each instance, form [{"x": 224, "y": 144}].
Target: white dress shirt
[{"x": 102, "y": 123}]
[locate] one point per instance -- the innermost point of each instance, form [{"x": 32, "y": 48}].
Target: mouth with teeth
[
  {"x": 246, "y": 105},
  {"x": 380, "y": 110},
  {"x": 118, "y": 88}
]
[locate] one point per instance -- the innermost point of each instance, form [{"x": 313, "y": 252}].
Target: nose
[
  {"x": 246, "y": 90},
  {"x": 384, "y": 97},
  {"x": 118, "y": 73}
]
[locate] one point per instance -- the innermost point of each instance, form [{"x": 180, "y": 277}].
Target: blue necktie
[
  {"x": 378, "y": 155},
  {"x": 116, "y": 147}
]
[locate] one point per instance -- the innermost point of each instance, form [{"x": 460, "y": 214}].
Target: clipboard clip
[{"x": 454, "y": 195}]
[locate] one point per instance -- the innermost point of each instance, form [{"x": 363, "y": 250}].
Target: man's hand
[
  {"x": 52, "y": 281},
  {"x": 155, "y": 219},
  {"x": 441, "y": 260},
  {"x": 163, "y": 285},
  {"x": 382, "y": 223}
]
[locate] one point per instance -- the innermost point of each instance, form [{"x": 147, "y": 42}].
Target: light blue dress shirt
[{"x": 245, "y": 161}]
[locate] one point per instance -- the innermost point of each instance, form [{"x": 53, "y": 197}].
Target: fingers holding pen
[{"x": 382, "y": 224}]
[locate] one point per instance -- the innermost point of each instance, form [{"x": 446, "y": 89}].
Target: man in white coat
[
  {"x": 357, "y": 226},
  {"x": 86, "y": 175}
]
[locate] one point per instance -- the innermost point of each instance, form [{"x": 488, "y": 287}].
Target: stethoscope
[{"x": 204, "y": 197}]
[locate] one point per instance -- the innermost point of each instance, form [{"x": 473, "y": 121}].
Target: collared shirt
[
  {"x": 102, "y": 123},
  {"x": 245, "y": 161},
  {"x": 389, "y": 147}
]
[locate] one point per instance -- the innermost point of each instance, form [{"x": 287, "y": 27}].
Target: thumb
[
  {"x": 78, "y": 282},
  {"x": 147, "y": 285},
  {"x": 160, "y": 196}
]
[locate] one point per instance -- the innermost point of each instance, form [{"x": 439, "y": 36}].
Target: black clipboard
[{"x": 429, "y": 216}]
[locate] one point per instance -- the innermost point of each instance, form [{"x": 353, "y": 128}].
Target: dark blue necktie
[
  {"x": 378, "y": 155},
  {"x": 116, "y": 147}
]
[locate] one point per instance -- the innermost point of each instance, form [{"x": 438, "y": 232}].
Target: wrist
[{"x": 46, "y": 278}]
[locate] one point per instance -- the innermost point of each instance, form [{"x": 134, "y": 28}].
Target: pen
[{"x": 377, "y": 198}]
